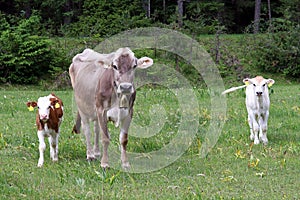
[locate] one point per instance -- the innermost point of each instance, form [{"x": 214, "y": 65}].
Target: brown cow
[
  {"x": 104, "y": 91},
  {"x": 48, "y": 119}
]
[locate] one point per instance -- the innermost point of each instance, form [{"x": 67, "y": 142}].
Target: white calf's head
[{"x": 259, "y": 85}]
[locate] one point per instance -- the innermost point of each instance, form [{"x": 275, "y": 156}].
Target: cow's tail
[
  {"x": 77, "y": 126},
  {"x": 233, "y": 89}
]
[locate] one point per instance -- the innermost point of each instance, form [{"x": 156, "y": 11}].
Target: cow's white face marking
[{"x": 44, "y": 106}]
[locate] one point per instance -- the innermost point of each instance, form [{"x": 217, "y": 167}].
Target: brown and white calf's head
[
  {"x": 259, "y": 85},
  {"x": 44, "y": 104},
  {"x": 124, "y": 65}
]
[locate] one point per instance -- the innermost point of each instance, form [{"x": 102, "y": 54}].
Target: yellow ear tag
[
  {"x": 57, "y": 105},
  {"x": 270, "y": 84},
  {"x": 30, "y": 108},
  {"x": 246, "y": 83}
]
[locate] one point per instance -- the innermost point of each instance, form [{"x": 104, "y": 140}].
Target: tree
[
  {"x": 180, "y": 13},
  {"x": 257, "y": 16}
]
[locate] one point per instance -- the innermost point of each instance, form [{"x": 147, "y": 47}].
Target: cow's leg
[
  {"x": 251, "y": 128},
  {"x": 96, "y": 142},
  {"x": 105, "y": 136},
  {"x": 123, "y": 142},
  {"x": 255, "y": 128},
  {"x": 42, "y": 147},
  {"x": 87, "y": 132},
  {"x": 264, "y": 127},
  {"x": 53, "y": 143}
]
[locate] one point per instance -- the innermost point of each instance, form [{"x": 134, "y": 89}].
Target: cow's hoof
[
  {"x": 105, "y": 165},
  {"x": 97, "y": 155},
  {"x": 265, "y": 142},
  {"x": 89, "y": 159},
  {"x": 256, "y": 141},
  {"x": 126, "y": 166},
  {"x": 40, "y": 165}
]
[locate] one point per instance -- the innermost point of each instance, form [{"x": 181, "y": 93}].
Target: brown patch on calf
[{"x": 58, "y": 110}]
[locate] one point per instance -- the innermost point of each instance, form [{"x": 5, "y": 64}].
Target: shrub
[
  {"x": 279, "y": 52},
  {"x": 25, "y": 58}
]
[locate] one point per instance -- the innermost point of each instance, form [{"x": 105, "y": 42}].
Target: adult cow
[
  {"x": 257, "y": 104},
  {"x": 104, "y": 91}
]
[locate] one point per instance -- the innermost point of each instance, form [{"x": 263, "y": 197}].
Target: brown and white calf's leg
[
  {"x": 53, "y": 143},
  {"x": 42, "y": 147},
  {"x": 102, "y": 119}
]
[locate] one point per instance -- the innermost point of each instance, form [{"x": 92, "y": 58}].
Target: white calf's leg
[
  {"x": 42, "y": 147},
  {"x": 255, "y": 127},
  {"x": 264, "y": 127},
  {"x": 251, "y": 128},
  {"x": 256, "y": 130}
]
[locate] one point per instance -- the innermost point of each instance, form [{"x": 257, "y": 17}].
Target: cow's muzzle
[
  {"x": 125, "y": 90},
  {"x": 258, "y": 94}
]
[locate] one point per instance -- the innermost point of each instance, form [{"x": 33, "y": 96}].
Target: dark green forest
[{"x": 40, "y": 37}]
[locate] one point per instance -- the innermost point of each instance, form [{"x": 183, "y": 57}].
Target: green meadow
[{"x": 233, "y": 169}]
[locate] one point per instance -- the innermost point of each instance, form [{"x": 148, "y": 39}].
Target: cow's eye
[
  {"x": 254, "y": 85},
  {"x": 115, "y": 67},
  {"x": 264, "y": 85},
  {"x": 134, "y": 66}
]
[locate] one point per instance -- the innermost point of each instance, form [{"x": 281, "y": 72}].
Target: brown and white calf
[
  {"x": 104, "y": 91},
  {"x": 257, "y": 103},
  {"x": 48, "y": 119}
]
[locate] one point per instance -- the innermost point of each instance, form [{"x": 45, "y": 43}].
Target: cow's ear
[
  {"x": 144, "y": 62},
  {"x": 246, "y": 81},
  {"x": 53, "y": 101},
  {"x": 270, "y": 82},
  {"x": 33, "y": 104}
]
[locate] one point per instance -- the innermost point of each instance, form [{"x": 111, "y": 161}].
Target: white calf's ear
[
  {"x": 270, "y": 82},
  {"x": 246, "y": 81},
  {"x": 144, "y": 62}
]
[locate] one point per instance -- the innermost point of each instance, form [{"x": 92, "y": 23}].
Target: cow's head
[
  {"x": 124, "y": 65},
  {"x": 259, "y": 84},
  {"x": 44, "y": 104}
]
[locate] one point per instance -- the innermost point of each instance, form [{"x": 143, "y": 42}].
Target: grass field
[{"x": 233, "y": 169}]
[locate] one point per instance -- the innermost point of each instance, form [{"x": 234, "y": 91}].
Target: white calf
[{"x": 257, "y": 103}]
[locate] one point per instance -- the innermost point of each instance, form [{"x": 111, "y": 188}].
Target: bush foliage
[
  {"x": 279, "y": 52},
  {"x": 25, "y": 57}
]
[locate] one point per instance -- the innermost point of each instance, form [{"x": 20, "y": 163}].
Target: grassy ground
[{"x": 233, "y": 169}]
